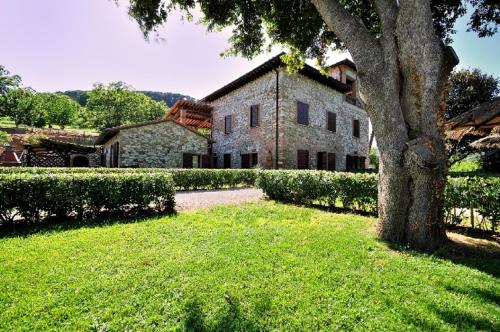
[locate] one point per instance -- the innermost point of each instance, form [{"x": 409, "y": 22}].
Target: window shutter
[
  {"x": 302, "y": 113},
  {"x": 245, "y": 160},
  {"x": 302, "y": 159},
  {"x": 228, "y": 125},
  {"x": 331, "y": 161},
  {"x": 254, "y": 160},
  {"x": 205, "y": 161},
  {"x": 332, "y": 121},
  {"x": 254, "y": 116},
  {"x": 187, "y": 160},
  {"x": 355, "y": 128},
  {"x": 227, "y": 160}
]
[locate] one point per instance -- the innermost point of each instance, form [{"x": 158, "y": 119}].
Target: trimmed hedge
[
  {"x": 34, "y": 197},
  {"x": 184, "y": 179},
  {"x": 479, "y": 193},
  {"x": 358, "y": 191},
  {"x": 355, "y": 191}
]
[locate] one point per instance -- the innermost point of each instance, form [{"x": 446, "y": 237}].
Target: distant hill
[{"x": 80, "y": 96}]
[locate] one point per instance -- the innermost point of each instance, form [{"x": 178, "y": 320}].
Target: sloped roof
[
  {"x": 346, "y": 62},
  {"x": 481, "y": 121},
  {"x": 272, "y": 64},
  {"x": 198, "y": 114},
  {"x": 477, "y": 116},
  {"x": 109, "y": 133}
]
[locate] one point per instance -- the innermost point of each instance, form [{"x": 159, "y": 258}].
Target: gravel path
[{"x": 191, "y": 200}]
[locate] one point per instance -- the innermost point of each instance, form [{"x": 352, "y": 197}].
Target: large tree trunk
[{"x": 402, "y": 78}]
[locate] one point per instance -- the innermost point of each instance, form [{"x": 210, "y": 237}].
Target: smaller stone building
[
  {"x": 160, "y": 143},
  {"x": 54, "y": 153}
]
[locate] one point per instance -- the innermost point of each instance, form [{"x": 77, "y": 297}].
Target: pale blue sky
[{"x": 66, "y": 45}]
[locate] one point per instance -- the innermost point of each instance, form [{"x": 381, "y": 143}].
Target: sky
[{"x": 57, "y": 45}]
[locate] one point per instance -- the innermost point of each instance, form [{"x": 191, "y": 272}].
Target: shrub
[
  {"x": 351, "y": 190},
  {"x": 184, "y": 179},
  {"x": 34, "y": 197},
  {"x": 479, "y": 192}
]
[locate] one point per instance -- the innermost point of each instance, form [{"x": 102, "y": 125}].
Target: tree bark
[{"x": 402, "y": 76}]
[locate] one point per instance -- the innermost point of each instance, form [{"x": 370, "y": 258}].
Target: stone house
[
  {"x": 270, "y": 118},
  {"x": 161, "y": 143}
]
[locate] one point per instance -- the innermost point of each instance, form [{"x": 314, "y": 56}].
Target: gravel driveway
[{"x": 191, "y": 200}]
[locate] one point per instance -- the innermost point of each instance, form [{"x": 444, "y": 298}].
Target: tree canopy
[
  {"x": 8, "y": 81},
  {"x": 297, "y": 23},
  {"x": 117, "y": 104},
  {"x": 468, "y": 89}
]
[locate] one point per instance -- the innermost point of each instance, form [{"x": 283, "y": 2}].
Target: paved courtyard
[{"x": 191, "y": 200}]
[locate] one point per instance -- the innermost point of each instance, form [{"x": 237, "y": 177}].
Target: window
[
  {"x": 355, "y": 128},
  {"x": 190, "y": 160},
  {"x": 331, "y": 162},
  {"x": 249, "y": 160},
  {"x": 227, "y": 160},
  {"x": 228, "y": 125},
  {"x": 331, "y": 121},
  {"x": 355, "y": 162},
  {"x": 321, "y": 161},
  {"x": 302, "y": 113},
  {"x": 302, "y": 159},
  {"x": 254, "y": 116}
]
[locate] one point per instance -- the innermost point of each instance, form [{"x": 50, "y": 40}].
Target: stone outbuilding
[
  {"x": 50, "y": 152},
  {"x": 161, "y": 143},
  {"x": 270, "y": 118}
]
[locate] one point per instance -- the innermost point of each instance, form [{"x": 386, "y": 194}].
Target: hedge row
[
  {"x": 34, "y": 197},
  {"x": 480, "y": 193},
  {"x": 184, "y": 179},
  {"x": 358, "y": 191}
]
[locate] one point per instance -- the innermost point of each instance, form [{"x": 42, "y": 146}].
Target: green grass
[{"x": 262, "y": 266}]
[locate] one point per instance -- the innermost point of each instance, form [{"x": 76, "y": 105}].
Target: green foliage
[
  {"x": 358, "y": 191},
  {"x": 7, "y": 81},
  {"x": 168, "y": 98},
  {"x": 469, "y": 88},
  {"x": 35, "y": 197},
  {"x": 296, "y": 24},
  {"x": 20, "y": 105},
  {"x": 355, "y": 191},
  {"x": 4, "y": 138},
  {"x": 471, "y": 164},
  {"x": 57, "y": 109},
  {"x": 254, "y": 267},
  {"x": 184, "y": 179},
  {"x": 374, "y": 158},
  {"x": 116, "y": 104},
  {"x": 481, "y": 193}
]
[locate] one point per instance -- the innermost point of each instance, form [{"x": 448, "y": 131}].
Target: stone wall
[
  {"x": 316, "y": 137},
  {"x": 156, "y": 145},
  {"x": 245, "y": 139},
  {"x": 292, "y": 136}
]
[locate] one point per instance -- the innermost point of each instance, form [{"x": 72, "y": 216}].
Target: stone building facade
[
  {"x": 303, "y": 120},
  {"x": 161, "y": 143}
]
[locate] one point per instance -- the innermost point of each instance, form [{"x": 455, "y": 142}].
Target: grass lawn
[{"x": 261, "y": 266}]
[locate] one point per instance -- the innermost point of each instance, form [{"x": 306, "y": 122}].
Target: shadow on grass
[
  {"x": 64, "y": 224},
  {"x": 228, "y": 318},
  {"x": 478, "y": 257}
]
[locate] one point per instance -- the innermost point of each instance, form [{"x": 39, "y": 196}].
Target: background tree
[
  {"x": 58, "y": 109},
  {"x": 468, "y": 89},
  {"x": 403, "y": 63},
  {"x": 117, "y": 104},
  {"x": 8, "y": 81},
  {"x": 20, "y": 105},
  {"x": 4, "y": 138}
]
